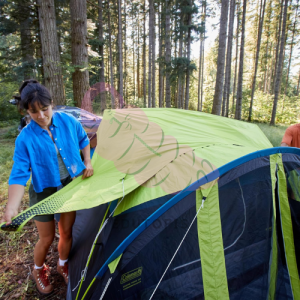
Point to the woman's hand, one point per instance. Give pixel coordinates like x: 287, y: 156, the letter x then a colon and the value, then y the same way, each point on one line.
x: 89, y: 171
x: 15, y: 195
x: 9, y: 214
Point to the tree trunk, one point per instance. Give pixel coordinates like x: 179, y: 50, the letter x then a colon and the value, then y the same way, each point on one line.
x: 125, y: 89
x: 27, y: 47
x: 200, y: 60
x: 266, y: 72
x: 168, y: 54
x: 160, y: 76
x: 112, y: 90
x: 291, y: 49
x: 236, y: 56
x: 151, y: 12
x: 120, y: 52
x: 133, y: 64
x: 79, y: 50
x: 260, y: 29
x: 225, y: 107
x: 202, y: 74
x: 144, y: 57
x: 101, y: 53
x: 138, y: 62
x: 153, y: 60
x: 180, y: 76
x: 239, y: 95
x: 50, y: 51
x: 188, y: 47
x: 217, y: 103
x: 279, y: 67
x: 277, y: 46
x: 298, y: 85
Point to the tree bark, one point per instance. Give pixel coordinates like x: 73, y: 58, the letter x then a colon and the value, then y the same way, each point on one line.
x: 125, y: 89
x: 260, y: 29
x: 200, y: 60
x: 153, y: 60
x: 279, y: 67
x: 298, y: 85
x: 168, y: 54
x: 266, y: 72
x: 101, y: 53
x: 180, y: 76
x: 225, y: 107
x: 138, y: 62
x: 278, y: 36
x: 238, y: 110
x: 188, y: 47
x: 144, y: 57
x: 24, y: 9
x: 160, y: 76
x: 120, y: 42
x: 291, y: 49
x: 112, y: 90
x: 50, y: 51
x: 79, y: 50
x: 236, y: 57
x: 151, y: 13
x: 217, y: 103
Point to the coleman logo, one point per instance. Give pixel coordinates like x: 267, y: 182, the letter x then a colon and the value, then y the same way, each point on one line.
x: 131, y: 275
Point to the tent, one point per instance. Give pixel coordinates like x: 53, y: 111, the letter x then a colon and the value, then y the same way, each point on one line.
x: 182, y: 205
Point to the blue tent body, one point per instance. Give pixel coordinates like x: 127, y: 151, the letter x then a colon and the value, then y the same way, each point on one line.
x: 152, y: 251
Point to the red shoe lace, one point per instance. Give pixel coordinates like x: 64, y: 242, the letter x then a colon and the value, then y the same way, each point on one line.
x: 44, y: 276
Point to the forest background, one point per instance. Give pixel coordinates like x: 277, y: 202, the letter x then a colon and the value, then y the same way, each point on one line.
x: 238, y: 59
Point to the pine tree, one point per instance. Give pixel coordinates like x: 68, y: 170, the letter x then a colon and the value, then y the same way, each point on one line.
x: 216, y: 109
x: 239, y: 94
x: 50, y: 50
x: 79, y: 50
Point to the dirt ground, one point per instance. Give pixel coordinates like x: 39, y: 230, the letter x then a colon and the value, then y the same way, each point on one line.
x: 16, y: 263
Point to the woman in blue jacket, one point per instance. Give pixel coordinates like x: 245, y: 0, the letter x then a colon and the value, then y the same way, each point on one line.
x: 48, y: 150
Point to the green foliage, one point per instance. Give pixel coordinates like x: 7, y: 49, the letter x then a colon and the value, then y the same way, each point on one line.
x: 287, y: 108
x: 208, y: 100
x: 273, y: 133
x: 7, y: 110
x: 11, y: 133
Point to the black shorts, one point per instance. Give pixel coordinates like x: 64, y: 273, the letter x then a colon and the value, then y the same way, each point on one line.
x: 34, y: 198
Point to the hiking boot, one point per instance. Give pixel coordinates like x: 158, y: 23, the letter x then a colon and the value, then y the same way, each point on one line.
x: 41, y: 278
x: 63, y: 271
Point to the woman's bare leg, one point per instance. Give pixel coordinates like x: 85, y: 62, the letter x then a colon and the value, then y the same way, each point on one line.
x: 46, y: 236
x: 65, y: 224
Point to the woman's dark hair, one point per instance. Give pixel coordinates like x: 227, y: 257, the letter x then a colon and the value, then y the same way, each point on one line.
x: 31, y: 92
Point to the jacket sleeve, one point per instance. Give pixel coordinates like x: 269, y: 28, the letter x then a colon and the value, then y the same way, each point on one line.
x: 83, y: 139
x: 20, y: 172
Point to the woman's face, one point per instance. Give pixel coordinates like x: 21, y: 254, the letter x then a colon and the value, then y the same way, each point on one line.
x: 41, y: 114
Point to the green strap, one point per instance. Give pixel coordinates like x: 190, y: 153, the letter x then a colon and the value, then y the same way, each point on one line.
x: 294, y: 182
x: 287, y: 231
x: 273, y: 269
x: 211, y: 246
